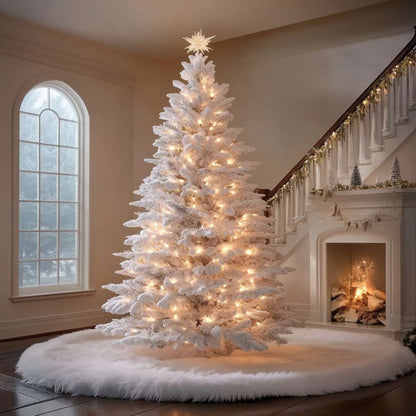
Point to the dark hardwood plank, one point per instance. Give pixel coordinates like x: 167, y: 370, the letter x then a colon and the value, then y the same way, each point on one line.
x: 400, y: 401
x: 182, y: 409
x: 10, y: 400
x: 265, y: 407
x: 122, y: 407
x: 18, y: 386
x: 46, y: 406
x: 342, y: 404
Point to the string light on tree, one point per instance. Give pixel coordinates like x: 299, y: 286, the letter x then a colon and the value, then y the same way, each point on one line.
x: 201, y: 270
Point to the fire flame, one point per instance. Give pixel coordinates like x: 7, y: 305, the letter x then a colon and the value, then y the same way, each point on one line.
x: 359, y: 292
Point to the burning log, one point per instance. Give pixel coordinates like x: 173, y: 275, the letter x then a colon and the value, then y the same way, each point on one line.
x: 381, y: 316
x: 369, y: 318
x: 337, y: 291
x: 379, y: 294
x: 339, y: 302
x: 347, y: 315
x: 374, y: 303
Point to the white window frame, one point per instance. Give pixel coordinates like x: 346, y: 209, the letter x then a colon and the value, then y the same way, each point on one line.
x: 82, y: 286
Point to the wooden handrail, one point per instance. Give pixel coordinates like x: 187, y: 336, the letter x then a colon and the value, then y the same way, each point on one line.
x: 403, y: 53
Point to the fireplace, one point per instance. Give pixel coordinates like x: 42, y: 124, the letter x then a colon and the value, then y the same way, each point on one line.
x: 356, y: 282
x: 381, y: 297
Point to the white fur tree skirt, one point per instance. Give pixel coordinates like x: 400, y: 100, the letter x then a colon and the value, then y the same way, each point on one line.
x: 315, y: 361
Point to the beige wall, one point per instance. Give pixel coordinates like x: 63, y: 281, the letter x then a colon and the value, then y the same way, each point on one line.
x: 406, y: 153
x: 105, y: 80
x: 292, y: 83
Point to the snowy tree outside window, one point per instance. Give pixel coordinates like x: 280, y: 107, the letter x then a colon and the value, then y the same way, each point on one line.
x: 50, y: 190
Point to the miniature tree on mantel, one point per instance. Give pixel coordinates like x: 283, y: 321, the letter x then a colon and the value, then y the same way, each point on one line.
x: 202, y: 270
x: 356, y: 176
x: 395, y: 171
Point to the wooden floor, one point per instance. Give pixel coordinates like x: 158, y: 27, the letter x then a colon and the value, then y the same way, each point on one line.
x: 391, y: 398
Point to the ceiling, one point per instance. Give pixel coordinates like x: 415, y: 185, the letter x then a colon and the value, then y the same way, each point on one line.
x: 155, y: 27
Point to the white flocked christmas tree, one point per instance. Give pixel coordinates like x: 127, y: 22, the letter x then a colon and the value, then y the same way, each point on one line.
x: 201, y: 271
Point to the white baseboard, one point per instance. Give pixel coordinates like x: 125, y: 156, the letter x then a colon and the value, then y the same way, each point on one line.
x: 301, y: 310
x: 50, y: 323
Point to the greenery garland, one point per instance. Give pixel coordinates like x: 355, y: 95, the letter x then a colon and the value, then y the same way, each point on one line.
x: 327, y: 192
x: 339, y: 135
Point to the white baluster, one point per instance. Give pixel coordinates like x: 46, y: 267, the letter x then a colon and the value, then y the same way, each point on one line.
x: 292, y: 194
x: 307, y: 189
x: 387, y: 129
x: 401, y: 100
x: 351, y: 146
x: 375, y: 145
x: 282, y: 218
x: 342, y: 156
x: 379, y: 119
x: 317, y: 174
x: 311, y: 175
x: 362, y: 141
x: 330, y: 173
x: 412, y: 86
x: 275, y: 218
x: 288, y: 225
x: 299, y: 202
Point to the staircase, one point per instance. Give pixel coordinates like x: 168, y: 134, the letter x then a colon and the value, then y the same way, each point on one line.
x: 369, y: 131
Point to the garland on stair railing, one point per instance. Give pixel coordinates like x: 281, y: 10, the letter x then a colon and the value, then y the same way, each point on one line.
x: 317, y: 154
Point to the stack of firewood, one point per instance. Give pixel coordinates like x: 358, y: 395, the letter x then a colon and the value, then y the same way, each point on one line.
x: 368, y: 308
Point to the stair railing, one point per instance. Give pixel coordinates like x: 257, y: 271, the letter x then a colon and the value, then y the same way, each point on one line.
x: 361, y: 130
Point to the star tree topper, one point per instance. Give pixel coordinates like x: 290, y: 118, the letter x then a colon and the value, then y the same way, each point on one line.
x: 198, y: 43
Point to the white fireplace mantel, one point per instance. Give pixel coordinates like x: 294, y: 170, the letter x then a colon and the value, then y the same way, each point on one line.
x: 397, y: 229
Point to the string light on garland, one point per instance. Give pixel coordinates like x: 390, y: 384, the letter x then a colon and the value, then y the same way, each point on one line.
x: 339, y: 134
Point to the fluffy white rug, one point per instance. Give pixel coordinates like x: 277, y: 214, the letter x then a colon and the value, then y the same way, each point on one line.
x: 315, y: 361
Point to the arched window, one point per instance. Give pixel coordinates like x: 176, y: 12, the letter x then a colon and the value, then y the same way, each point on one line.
x: 51, y: 203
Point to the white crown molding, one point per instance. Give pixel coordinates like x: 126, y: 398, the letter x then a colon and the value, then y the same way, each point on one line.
x: 49, y: 323
x: 70, y: 62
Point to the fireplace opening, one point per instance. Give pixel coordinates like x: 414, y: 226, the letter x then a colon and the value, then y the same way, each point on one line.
x: 356, y: 282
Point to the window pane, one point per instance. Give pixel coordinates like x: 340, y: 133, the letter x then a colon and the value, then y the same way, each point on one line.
x: 67, y: 271
x: 68, y: 216
x: 49, y: 127
x: 28, y: 274
x: 67, y: 245
x: 69, y: 133
x: 68, y: 160
x: 28, y: 188
x: 48, y: 273
x: 35, y: 100
x: 28, y: 128
x: 28, y: 246
x: 48, y: 187
x: 28, y: 216
x: 48, y: 216
x: 68, y: 188
x: 62, y: 105
x: 48, y: 245
x: 28, y: 156
x: 48, y: 158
